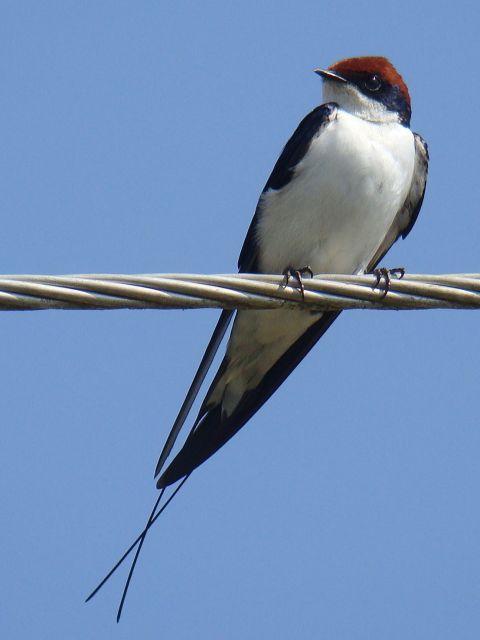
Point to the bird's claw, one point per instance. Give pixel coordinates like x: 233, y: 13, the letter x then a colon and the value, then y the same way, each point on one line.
x: 291, y: 272
x: 387, y: 274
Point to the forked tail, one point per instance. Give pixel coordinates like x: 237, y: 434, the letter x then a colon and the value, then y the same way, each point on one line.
x: 138, y: 542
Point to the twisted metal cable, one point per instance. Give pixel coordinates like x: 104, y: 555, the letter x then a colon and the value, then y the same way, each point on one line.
x: 237, y: 291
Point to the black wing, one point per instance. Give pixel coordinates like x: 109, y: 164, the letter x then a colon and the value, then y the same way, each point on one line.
x: 204, y: 366
x: 211, y: 431
x: 408, y: 214
x: 293, y: 152
x: 414, y: 200
x: 282, y: 173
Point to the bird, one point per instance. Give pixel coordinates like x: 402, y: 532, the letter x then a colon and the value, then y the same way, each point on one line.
x: 349, y: 182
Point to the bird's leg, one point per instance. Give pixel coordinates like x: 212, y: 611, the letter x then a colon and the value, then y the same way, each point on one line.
x: 382, y: 272
x: 291, y: 272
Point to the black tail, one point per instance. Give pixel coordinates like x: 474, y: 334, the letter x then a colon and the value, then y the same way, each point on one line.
x: 138, y: 542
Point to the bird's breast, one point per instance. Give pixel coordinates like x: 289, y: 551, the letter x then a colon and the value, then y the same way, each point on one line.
x: 342, y: 199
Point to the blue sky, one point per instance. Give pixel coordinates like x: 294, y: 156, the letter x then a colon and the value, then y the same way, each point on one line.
x: 136, y: 138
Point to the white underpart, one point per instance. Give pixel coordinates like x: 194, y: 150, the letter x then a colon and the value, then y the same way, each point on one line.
x: 333, y: 216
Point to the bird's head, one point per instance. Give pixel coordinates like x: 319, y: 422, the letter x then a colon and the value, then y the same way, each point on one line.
x: 369, y: 87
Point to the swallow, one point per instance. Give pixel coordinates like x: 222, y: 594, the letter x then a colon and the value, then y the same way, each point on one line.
x: 348, y: 183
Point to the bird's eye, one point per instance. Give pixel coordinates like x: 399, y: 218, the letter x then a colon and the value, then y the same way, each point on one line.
x: 373, y: 83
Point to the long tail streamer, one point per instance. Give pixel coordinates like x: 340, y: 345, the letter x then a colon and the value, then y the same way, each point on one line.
x: 138, y: 542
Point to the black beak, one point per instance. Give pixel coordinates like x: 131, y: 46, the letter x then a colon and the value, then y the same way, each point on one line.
x: 329, y: 75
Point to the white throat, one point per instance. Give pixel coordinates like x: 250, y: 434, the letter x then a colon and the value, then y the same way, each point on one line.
x: 351, y: 99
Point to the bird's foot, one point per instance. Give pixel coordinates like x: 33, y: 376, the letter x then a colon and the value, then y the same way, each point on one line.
x: 387, y: 274
x: 291, y: 272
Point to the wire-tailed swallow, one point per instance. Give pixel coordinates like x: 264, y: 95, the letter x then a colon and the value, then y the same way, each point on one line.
x: 349, y: 182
